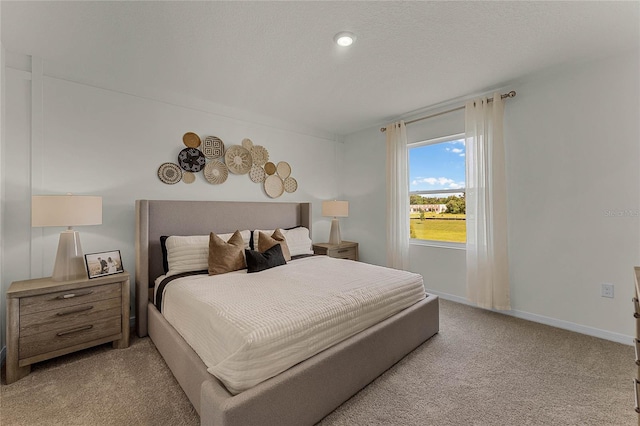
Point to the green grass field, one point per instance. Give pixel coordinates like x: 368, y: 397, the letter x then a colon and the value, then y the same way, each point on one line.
x: 439, y: 229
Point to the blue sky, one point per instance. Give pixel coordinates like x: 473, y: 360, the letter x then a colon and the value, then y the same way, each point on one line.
x: 437, y: 166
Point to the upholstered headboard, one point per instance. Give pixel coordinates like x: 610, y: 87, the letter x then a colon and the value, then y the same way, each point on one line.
x: 155, y: 218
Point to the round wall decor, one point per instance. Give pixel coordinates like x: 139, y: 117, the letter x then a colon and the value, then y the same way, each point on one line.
x: 273, y: 186
x: 290, y: 184
x: 270, y: 168
x: 169, y: 173
x: 238, y: 160
x: 212, y: 147
x: 247, y: 144
x: 257, y: 174
x: 191, y: 140
x: 216, y: 172
x: 260, y: 155
x: 284, y: 169
x: 188, y: 177
x: 191, y: 160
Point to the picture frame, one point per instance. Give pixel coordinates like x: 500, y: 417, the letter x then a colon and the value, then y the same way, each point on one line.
x: 103, y: 263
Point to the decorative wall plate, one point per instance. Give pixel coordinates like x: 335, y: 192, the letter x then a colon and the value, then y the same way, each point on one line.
x: 284, y: 169
x: 247, y: 144
x: 270, y: 168
x: 191, y: 160
x: 260, y: 155
x: 238, y: 160
x: 191, y: 140
x: 213, y: 147
x: 290, y: 184
x: 257, y: 174
x: 216, y: 172
x: 188, y: 177
x: 273, y: 186
x: 169, y: 173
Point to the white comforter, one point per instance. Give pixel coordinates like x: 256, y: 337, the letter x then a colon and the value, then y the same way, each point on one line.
x: 250, y: 327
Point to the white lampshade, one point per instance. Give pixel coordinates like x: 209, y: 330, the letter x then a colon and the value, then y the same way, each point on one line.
x: 335, y: 208
x: 67, y: 210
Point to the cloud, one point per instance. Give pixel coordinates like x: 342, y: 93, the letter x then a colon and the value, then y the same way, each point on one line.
x: 462, y: 155
x: 441, y: 182
x: 457, y: 150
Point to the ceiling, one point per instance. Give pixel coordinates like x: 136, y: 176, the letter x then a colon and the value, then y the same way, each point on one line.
x: 278, y: 59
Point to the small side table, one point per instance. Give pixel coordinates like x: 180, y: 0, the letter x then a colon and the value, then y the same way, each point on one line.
x: 47, y: 318
x: 344, y: 250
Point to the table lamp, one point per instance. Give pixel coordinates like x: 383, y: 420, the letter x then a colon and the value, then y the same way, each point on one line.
x: 335, y: 209
x: 67, y: 210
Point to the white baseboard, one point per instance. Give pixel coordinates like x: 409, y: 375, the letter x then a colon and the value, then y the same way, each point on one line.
x: 565, y: 325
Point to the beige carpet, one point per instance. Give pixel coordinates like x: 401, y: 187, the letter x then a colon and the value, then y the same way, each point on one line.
x: 481, y: 369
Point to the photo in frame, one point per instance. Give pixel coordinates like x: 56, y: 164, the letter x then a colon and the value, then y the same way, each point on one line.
x: 103, y: 263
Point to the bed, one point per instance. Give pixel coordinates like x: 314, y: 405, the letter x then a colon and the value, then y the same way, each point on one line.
x: 302, y: 394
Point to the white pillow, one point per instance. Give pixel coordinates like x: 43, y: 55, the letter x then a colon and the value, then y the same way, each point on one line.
x: 297, y: 239
x: 191, y: 253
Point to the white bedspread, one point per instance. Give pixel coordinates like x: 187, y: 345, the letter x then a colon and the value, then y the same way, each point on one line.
x: 250, y: 327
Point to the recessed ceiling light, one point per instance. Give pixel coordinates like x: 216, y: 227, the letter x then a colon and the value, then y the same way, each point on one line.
x: 345, y: 38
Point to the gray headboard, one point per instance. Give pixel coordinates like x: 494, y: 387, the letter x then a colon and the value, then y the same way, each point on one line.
x: 155, y: 218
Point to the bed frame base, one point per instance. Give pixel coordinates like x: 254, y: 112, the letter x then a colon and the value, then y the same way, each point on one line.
x: 308, y: 391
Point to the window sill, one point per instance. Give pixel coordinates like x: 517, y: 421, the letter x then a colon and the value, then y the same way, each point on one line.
x: 438, y: 244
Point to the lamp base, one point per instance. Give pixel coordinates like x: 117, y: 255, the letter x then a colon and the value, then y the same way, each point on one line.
x: 69, y: 259
x: 334, y: 236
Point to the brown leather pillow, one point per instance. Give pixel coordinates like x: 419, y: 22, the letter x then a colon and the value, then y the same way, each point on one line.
x: 265, y: 242
x: 226, y: 256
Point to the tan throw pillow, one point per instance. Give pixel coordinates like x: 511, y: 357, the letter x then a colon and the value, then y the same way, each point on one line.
x: 265, y: 242
x: 226, y: 256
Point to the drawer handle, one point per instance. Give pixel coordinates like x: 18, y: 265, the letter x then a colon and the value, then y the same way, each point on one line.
x: 72, y: 295
x: 75, y: 330
x: 86, y: 308
x: 343, y: 251
x: 636, y: 382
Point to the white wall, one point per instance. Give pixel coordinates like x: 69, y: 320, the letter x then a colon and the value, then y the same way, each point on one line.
x: 572, y: 147
x: 108, y: 143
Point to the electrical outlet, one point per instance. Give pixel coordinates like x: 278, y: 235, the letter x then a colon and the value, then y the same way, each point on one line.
x: 607, y: 290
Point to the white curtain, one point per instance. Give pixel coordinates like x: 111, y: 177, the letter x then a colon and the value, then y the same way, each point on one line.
x: 397, y: 196
x: 486, y: 205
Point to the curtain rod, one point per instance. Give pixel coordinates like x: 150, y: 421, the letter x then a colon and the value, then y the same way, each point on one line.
x: 511, y: 94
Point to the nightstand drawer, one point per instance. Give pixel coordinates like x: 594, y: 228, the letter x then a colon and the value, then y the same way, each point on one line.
x: 53, y: 340
x: 343, y: 253
x: 344, y: 250
x: 69, y: 316
x: 65, y: 299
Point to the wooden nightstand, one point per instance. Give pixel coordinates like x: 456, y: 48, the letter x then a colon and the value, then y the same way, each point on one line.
x: 47, y: 318
x: 344, y: 250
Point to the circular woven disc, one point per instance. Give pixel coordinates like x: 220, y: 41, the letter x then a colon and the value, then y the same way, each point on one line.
x: 284, y: 169
x: 238, y: 160
x: 191, y: 140
x: 169, y: 173
x: 260, y: 155
x: 216, y: 172
x: 247, y: 144
x: 290, y: 184
x: 273, y: 186
x: 270, y: 168
x: 188, y: 177
x: 191, y: 160
x: 212, y: 147
x: 257, y: 174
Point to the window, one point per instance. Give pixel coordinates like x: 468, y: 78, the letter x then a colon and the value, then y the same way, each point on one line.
x: 437, y: 183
